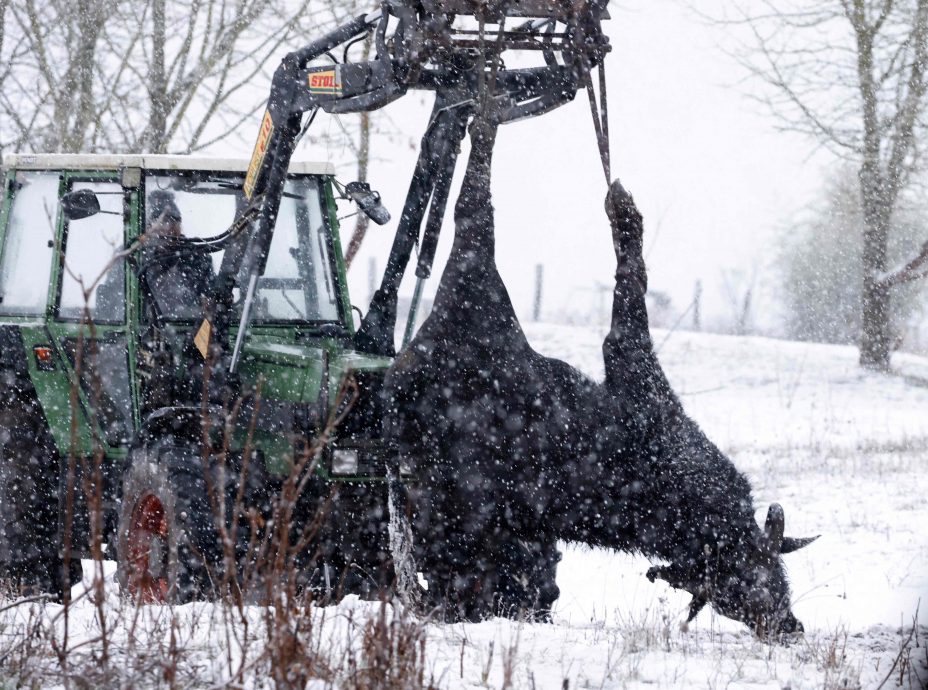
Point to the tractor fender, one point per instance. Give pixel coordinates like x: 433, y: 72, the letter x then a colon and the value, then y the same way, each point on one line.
x: 180, y: 421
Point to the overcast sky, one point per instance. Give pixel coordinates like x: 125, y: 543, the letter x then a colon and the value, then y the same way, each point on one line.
x: 715, y: 180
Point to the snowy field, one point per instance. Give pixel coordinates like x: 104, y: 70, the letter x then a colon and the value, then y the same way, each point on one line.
x: 844, y: 452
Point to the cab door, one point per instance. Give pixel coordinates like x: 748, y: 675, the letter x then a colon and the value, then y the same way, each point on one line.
x: 89, y: 314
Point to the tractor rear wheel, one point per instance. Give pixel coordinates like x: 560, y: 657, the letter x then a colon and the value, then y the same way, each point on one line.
x: 167, y: 545
x: 30, y: 471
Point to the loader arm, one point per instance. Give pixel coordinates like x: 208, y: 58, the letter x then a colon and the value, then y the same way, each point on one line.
x: 422, y: 51
x: 296, y: 88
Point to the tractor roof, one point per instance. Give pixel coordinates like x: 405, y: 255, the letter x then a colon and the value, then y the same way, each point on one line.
x: 104, y: 161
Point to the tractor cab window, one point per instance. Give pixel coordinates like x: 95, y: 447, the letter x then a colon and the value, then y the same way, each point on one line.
x: 26, y: 255
x: 298, y: 284
x: 93, y: 273
x: 178, y: 274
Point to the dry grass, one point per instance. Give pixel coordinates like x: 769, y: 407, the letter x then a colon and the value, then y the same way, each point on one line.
x: 377, y: 646
x: 263, y: 628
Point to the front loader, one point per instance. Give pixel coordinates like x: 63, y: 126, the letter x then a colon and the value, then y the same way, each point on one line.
x: 249, y: 416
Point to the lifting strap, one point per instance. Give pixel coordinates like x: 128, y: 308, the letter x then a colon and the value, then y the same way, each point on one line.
x: 600, y: 118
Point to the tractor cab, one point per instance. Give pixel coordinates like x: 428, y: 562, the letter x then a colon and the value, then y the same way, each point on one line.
x: 130, y: 242
x: 105, y: 263
x: 108, y: 203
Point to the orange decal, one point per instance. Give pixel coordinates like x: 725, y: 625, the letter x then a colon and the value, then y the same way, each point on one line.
x: 201, y: 339
x: 257, y: 156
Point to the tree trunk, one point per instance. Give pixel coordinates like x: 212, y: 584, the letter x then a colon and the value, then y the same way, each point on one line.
x: 874, y: 334
x: 3, y: 6
x: 89, y: 21
x: 877, y: 207
x: 875, y: 305
x: 364, y: 154
x: 154, y: 140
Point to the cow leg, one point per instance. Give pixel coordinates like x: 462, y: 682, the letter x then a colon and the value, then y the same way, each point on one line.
x: 457, y: 534
x: 479, y: 558
x: 633, y: 372
x: 527, y: 581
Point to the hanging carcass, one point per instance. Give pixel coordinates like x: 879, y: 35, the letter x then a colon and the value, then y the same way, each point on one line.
x: 513, y: 451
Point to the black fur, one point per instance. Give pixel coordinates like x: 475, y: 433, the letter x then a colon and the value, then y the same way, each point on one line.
x: 514, y: 450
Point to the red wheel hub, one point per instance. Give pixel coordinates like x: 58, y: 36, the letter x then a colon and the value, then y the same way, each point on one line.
x: 148, y: 550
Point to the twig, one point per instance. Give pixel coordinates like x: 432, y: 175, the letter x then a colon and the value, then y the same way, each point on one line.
x: 27, y: 600
x: 904, y: 647
x: 674, y: 327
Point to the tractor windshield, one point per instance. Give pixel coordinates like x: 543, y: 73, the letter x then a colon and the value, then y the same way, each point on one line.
x: 298, y: 284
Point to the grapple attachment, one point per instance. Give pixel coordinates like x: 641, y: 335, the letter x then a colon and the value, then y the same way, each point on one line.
x: 494, y: 10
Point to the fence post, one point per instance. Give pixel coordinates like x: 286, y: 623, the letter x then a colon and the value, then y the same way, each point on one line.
x: 536, y: 305
x: 697, y: 298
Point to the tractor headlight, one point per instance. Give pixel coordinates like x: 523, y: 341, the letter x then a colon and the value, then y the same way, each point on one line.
x: 344, y: 461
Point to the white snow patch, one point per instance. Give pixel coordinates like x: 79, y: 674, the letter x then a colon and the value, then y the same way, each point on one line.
x: 844, y: 451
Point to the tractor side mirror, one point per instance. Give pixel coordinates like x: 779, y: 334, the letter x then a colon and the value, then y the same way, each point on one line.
x: 81, y: 203
x: 368, y: 201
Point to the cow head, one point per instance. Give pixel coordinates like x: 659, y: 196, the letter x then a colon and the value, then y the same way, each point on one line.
x: 748, y: 584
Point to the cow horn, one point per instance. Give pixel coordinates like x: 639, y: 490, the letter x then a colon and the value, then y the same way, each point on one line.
x: 791, y: 544
x: 774, y: 526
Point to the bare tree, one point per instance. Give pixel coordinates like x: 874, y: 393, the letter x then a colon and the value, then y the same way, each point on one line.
x: 141, y: 75
x: 158, y: 76
x: 852, y: 75
x: 820, y: 264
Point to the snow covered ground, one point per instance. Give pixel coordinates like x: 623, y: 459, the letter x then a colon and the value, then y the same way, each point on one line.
x: 845, y: 452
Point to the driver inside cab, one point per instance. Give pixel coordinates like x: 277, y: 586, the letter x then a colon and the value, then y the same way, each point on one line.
x: 179, y: 276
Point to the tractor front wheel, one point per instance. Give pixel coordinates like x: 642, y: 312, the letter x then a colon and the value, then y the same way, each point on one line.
x: 167, y: 547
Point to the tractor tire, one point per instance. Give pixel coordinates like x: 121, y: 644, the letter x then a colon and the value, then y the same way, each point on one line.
x: 30, y: 472
x: 167, y: 544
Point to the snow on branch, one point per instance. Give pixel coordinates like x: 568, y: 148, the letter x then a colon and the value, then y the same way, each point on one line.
x: 914, y: 269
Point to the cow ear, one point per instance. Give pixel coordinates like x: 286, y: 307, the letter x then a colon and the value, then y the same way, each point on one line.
x: 773, y: 527
x: 791, y: 544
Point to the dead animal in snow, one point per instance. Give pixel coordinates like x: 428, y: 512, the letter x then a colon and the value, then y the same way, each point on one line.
x: 514, y: 450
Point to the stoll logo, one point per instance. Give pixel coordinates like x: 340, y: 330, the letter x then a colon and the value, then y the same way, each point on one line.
x: 327, y: 81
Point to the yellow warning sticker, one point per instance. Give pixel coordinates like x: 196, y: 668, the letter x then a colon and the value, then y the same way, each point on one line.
x: 201, y: 339
x: 326, y: 82
x: 257, y: 156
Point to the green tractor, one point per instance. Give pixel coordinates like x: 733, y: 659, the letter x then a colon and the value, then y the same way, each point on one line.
x: 182, y: 378
x: 104, y: 261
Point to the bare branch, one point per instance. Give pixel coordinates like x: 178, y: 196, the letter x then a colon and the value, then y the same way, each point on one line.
x: 130, y: 75
x: 853, y: 75
x: 903, y: 138
x: 908, y: 272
